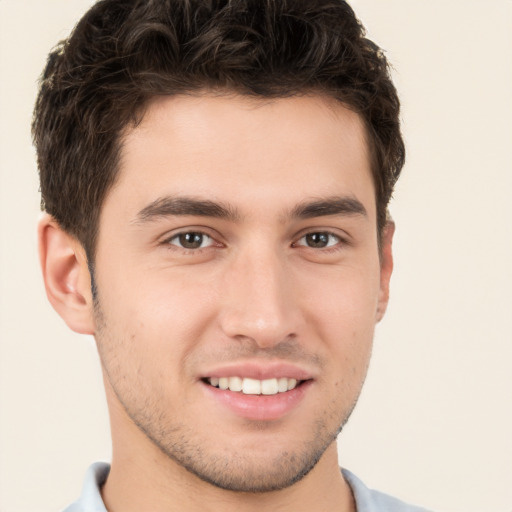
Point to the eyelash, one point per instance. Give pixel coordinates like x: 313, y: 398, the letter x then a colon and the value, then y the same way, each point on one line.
x: 338, y: 244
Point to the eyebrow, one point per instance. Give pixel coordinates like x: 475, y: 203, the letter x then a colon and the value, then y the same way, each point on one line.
x: 167, y: 206
x: 329, y: 206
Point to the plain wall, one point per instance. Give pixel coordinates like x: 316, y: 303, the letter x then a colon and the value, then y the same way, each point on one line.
x: 434, y: 423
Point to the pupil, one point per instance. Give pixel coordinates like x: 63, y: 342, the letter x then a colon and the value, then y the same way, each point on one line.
x: 191, y: 240
x: 317, y: 239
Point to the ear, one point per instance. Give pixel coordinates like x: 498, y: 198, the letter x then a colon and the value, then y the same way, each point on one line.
x: 386, y: 267
x: 66, y: 275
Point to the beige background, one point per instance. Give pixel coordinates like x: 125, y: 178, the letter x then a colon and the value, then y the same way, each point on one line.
x: 434, y: 424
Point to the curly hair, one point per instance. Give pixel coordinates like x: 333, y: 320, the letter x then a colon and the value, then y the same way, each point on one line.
x: 122, y: 53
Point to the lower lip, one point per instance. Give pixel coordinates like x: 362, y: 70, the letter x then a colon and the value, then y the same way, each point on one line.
x: 259, y: 407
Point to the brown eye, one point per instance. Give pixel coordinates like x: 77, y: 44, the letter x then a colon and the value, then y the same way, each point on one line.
x: 191, y: 240
x: 319, y: 240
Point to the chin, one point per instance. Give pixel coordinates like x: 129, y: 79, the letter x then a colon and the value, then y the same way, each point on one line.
x: 265, y: 468
x: 248, y: 476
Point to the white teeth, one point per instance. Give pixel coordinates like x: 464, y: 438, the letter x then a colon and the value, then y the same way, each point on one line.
x: 236, y: 384
x: 282, y: 385
x: 269, y: 387
x: 254, y: 386
x: 251, y: 387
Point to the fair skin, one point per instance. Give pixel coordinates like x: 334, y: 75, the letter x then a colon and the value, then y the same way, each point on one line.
x: 239, y: 242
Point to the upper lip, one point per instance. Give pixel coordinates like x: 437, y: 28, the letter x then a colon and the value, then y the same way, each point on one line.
x: 260, y: 370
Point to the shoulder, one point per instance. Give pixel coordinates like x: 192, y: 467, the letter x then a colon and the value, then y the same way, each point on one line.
x: 90, y: 499
x: 369, y: 500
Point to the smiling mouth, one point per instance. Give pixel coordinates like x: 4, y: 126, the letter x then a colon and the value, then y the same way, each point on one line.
x: 249, y: 386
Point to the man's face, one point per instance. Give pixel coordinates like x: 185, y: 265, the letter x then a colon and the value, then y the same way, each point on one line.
x: 238, y: 249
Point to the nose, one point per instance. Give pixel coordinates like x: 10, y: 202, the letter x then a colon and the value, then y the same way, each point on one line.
x: 259, y: 300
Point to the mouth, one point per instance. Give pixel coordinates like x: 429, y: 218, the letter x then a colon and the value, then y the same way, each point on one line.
x: 258, y: 391
x: 249, y: 386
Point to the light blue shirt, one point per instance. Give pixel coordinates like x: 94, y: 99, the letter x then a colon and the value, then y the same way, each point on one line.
x: 366, y: 499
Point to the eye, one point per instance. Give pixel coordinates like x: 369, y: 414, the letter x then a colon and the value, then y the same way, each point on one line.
x: 318, y: 240
x: 191, y: 240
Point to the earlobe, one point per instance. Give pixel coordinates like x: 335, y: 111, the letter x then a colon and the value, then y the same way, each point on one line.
x: 66, y: 275
x: 386, y: 267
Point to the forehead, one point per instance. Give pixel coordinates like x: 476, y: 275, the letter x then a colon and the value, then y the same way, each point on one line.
x: 237, y: 148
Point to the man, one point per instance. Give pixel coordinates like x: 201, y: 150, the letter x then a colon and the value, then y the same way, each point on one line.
x: 215, y: 177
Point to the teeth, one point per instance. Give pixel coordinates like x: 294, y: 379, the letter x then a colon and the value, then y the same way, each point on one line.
x: 291, y: 384
x: 282, y: 385
x: 269, y: 387
x: 253, y: 386
x: 236, y: 384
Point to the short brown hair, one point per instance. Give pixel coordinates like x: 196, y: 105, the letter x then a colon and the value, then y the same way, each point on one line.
x: 124, y: 52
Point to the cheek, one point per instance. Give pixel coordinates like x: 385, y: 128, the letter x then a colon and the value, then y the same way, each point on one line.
x: 153, y: 322
x: 343, y: 316
x: 345, y: 299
